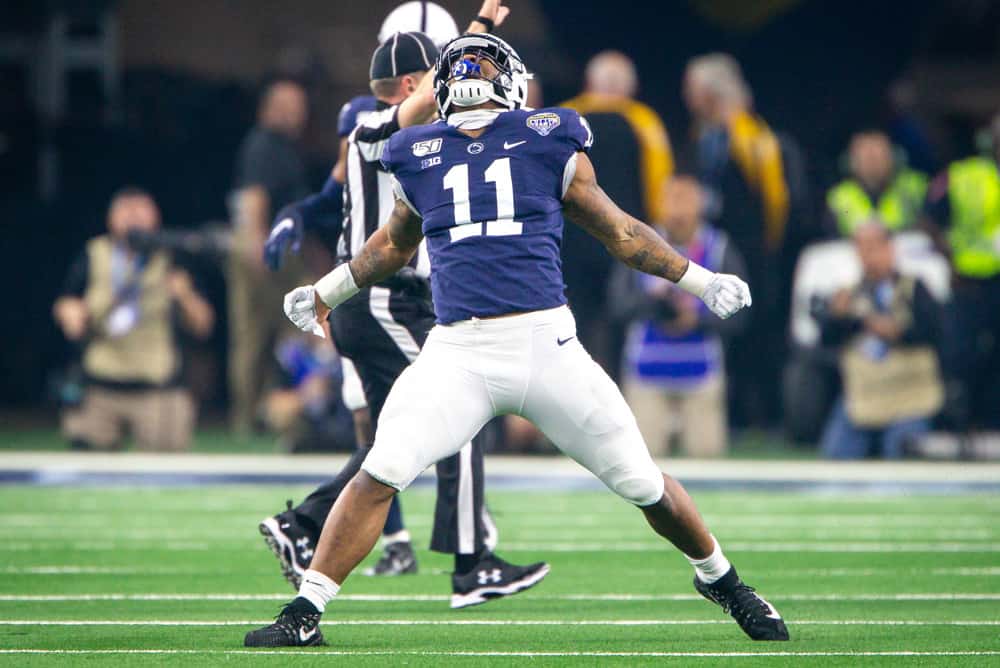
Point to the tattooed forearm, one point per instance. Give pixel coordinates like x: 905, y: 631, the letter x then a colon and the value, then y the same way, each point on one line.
x: 388, y: 249
x: 630, y: 240
x: 654, y: 255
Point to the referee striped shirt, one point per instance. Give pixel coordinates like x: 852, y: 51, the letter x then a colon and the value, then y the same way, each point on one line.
x: 368, y: 193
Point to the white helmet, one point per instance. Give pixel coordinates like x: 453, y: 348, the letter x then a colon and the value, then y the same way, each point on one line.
x: 460, y: 82
x: 427, y: 17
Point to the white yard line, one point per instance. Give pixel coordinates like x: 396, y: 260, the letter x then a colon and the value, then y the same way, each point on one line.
x: 479, y: 653
x: 489, y: 622
x: 737, y: 546
x: 53, y: 598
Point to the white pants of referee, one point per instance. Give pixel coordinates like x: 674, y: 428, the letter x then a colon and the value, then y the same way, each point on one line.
x: 530, y: 365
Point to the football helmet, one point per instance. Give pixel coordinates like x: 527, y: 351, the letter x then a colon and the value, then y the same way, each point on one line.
x: 476, y: 68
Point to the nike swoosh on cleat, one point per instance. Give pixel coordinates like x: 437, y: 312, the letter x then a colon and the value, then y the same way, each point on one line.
x: 306, y: 637
x: 562, y: 342
x: 507, y: 146
x: 774, y: 613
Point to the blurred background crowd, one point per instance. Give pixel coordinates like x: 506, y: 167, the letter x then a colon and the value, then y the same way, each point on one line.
x: 842, y: 157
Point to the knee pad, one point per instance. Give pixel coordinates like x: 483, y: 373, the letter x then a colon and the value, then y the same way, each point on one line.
x: 639, y: 487
x: 394, y: 469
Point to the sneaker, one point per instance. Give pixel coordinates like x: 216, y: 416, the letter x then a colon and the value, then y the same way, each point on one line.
x: 297, y: 625
x: 494, y: 578
x: 397, y: 559
x: 756, y: 616
x: 291, y: 542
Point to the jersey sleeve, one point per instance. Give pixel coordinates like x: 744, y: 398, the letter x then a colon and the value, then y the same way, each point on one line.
x: 347, y: 119
x: 394, y: 161
x: 577, y: 131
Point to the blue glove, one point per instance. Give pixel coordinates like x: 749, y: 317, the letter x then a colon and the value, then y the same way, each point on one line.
x: 286, y: 232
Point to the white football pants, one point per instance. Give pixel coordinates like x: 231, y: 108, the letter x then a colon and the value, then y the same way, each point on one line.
x: 530, y: 365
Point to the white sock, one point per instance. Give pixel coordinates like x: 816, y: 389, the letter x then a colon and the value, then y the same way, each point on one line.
x: 401, y: 536
x: 712, y: 567
x: 317, y: 589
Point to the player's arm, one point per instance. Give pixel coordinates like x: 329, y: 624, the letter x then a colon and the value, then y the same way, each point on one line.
x: 640, y: 247
x: 421, y: 106
x: 386, y: 252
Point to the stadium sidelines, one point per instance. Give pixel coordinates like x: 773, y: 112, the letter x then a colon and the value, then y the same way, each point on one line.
x: 548, y: 473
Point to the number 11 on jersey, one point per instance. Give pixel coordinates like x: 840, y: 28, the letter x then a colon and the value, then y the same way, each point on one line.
x: 456, y: 180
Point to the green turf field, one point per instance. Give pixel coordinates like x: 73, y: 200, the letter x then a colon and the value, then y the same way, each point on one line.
x: 150, y: 576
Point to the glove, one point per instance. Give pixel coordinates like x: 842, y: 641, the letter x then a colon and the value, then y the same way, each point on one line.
x: 726, y: 294
x: 300, y: 307
x: 286, y: 232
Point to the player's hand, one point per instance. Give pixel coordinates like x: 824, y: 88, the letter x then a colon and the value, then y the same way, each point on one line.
x: 494, y: 9
x: 726, y: 294
x: 300, y: 307
x: 285, y: 233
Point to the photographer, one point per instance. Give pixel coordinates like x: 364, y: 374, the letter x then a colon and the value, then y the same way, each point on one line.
x: 122, y: 307
x: 674, y: 376
x: 887, y: 332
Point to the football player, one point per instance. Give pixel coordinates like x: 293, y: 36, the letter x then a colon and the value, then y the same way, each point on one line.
x: 488, y: 187
x: 381, y: 330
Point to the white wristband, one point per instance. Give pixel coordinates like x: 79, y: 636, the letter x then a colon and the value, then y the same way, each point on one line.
x: 337, y: 287
x: 695, y: 279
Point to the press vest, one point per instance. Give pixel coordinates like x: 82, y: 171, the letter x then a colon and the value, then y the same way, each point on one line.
x: 146, y: 353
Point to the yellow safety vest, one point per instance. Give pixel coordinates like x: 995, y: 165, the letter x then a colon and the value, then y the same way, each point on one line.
x: 974, y: 196
x: 897, y: 208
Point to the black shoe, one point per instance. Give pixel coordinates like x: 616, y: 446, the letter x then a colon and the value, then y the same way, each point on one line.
x: 756, y: 617
x: 297, y: 625
x: 397, y: 559
x: 494, y: 578
x: 291, y: 542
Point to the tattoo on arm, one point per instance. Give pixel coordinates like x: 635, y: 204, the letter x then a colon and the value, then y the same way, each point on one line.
x: 389, y: 249
x: 628, y: 239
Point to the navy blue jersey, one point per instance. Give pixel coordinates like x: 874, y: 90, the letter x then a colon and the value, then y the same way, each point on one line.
x: 354, y: 112
x: 491, y: 208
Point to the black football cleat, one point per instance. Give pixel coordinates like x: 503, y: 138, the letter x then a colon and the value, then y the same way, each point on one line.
x: 297, y: 625
x: 291, y: 542
x: 397, y: 559
x: 756, y: 616
x: 494, y: 578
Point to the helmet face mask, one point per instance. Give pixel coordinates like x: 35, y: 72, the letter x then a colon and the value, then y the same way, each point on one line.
x: 475, y: 69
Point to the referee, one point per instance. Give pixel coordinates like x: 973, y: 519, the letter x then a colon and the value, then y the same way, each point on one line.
x: 382, y: 328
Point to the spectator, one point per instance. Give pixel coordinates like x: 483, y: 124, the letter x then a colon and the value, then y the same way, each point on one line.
x: 887, y: 331
x: 675, y: 372
x: 742, y: 167
x: 122, y: 308
x: 270, y: 173
x: 306, y: 408
x: 963, y: 208
x: 632, y: 153
x: 878, y: 186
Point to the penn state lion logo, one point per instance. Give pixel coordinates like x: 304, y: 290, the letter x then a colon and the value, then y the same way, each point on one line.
x: 543, y: 123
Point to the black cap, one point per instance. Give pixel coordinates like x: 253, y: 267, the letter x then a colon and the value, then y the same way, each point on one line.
x: 403, y: 53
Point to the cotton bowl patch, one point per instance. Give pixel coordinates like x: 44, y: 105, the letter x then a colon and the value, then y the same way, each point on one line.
x: 543, y: 123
